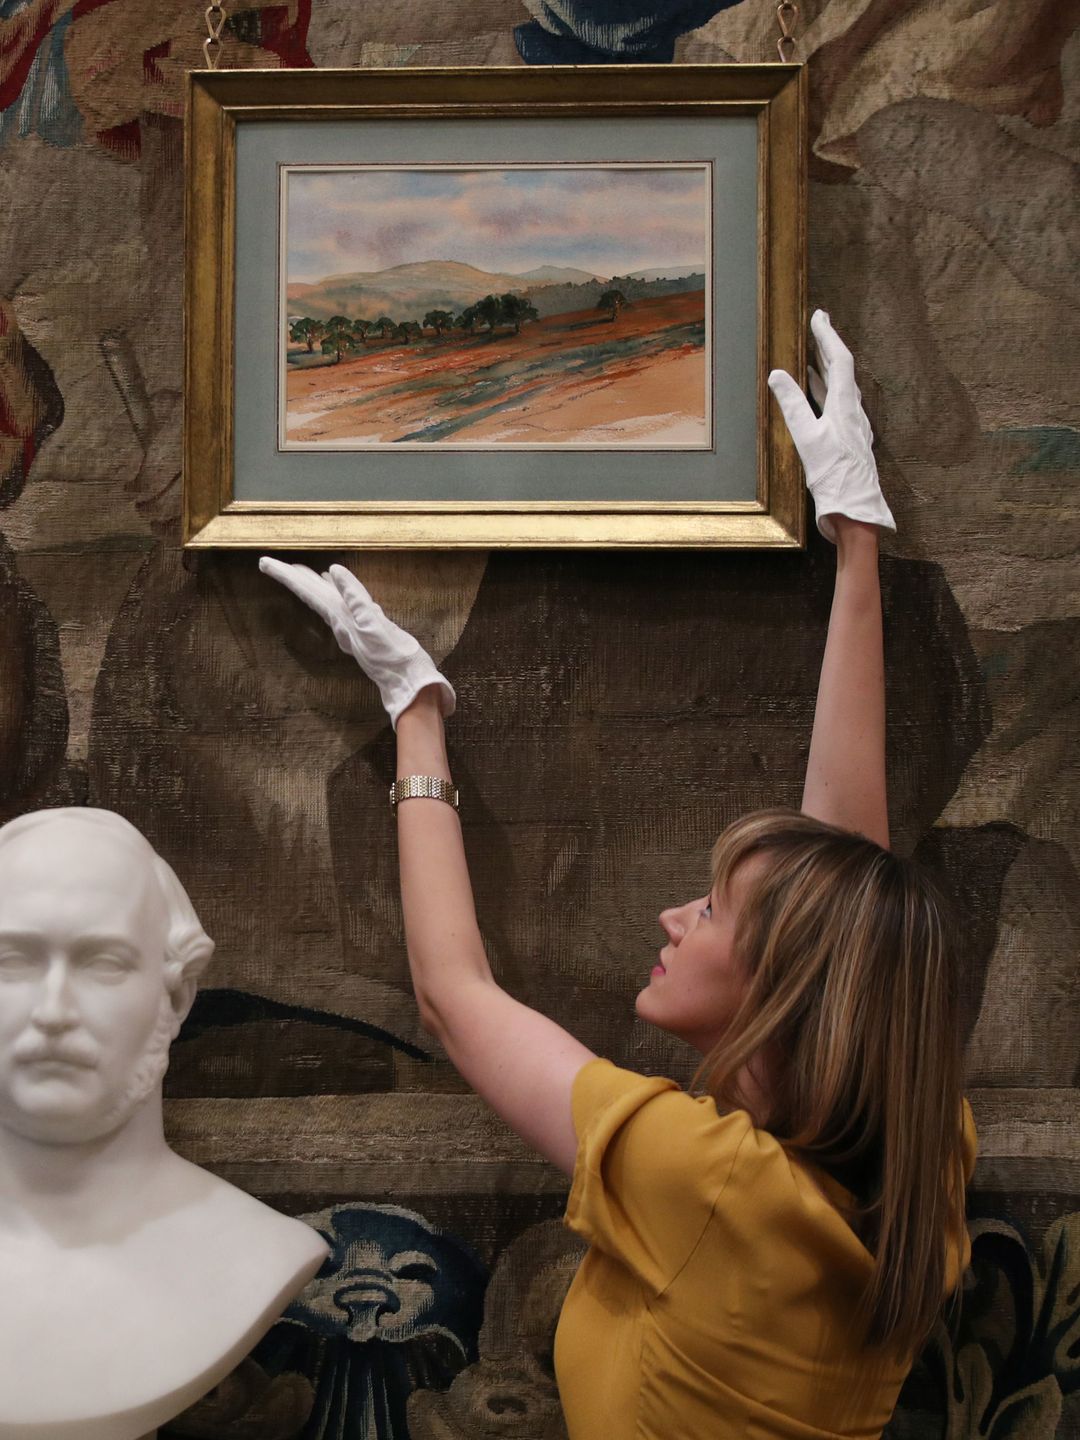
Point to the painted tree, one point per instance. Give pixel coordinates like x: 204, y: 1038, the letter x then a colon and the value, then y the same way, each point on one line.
x: 612, y: 301
x: 385, y: 326
x: 339, y: 337
x: 438, y: 320
x: 308, y: 332
x: 467, y: 319
x: 361, y: 329
x: 516, y: 309
x: 489, y: 311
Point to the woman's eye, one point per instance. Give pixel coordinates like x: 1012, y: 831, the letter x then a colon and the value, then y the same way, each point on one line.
x: 14, y: 962
x: 707, y: 912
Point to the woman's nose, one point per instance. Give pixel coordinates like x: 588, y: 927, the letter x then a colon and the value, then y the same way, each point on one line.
x: 673, y: 922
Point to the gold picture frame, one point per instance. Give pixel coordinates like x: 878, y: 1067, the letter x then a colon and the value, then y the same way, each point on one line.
x: 242, y: 125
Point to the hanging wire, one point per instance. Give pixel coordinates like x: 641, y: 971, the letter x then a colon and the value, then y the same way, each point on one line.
x: 213, y: 44
x: 787, y: 17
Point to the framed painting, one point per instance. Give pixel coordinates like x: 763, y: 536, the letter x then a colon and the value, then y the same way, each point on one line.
x: 493, y: 307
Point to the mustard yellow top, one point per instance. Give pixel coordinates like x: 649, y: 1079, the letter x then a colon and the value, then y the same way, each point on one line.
x: 711, y: 1303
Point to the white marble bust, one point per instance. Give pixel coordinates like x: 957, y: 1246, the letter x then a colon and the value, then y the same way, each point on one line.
x: 132, y: 1280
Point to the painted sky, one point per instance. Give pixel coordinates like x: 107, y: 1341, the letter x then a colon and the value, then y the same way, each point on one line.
x: 605, y: 219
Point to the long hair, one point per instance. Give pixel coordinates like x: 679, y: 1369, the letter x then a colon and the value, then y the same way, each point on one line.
x: 851, y: 1006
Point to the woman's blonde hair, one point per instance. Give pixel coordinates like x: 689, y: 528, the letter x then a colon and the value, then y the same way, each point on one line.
x: 851, y: 1003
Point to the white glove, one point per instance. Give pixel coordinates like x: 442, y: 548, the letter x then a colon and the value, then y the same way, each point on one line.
x: 390, y: 656
x: 836, y: 450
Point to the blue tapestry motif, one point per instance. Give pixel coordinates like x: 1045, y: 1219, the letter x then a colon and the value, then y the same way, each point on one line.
x: 610, y: 32
x: 44, y: 105
x: 217, y: 1008
x: 397, y: 1306
x: 1011, y: 1366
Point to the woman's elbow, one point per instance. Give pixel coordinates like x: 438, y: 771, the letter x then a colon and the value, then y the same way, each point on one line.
x: 449, y: 1015
x: 431, y: 1021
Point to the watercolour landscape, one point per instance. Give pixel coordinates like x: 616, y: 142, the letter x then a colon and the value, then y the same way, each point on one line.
x: 496, y: 307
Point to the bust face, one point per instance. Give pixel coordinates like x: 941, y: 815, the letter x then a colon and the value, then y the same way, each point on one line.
x: 82, y: 981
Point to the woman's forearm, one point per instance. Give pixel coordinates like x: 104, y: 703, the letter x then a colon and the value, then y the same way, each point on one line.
x: 446, y: 951
x: 519, y: 1061
x: 845, y: 773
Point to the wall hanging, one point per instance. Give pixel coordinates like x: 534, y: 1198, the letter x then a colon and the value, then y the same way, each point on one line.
x: 493, y: 307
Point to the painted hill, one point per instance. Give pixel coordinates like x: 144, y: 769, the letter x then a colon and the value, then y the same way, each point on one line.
x: 407, y: 292
x: 677, y: 272
x: 559, y: 275
x: 557, y: 299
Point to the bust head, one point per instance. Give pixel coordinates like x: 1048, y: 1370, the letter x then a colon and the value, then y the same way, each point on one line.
x: 100, y: 951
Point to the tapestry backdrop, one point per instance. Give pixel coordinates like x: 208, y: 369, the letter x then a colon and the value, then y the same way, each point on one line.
x: 615, y: 710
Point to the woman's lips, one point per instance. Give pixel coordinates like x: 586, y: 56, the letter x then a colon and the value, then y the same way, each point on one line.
x: 658, y: 970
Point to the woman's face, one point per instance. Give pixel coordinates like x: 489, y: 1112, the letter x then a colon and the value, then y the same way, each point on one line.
x: 698, y: 982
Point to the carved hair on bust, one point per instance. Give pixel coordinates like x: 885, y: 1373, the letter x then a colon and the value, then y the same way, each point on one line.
x: 188, y: 948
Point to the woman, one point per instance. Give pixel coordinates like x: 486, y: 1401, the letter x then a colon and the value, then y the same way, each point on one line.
x: 766, y: 1256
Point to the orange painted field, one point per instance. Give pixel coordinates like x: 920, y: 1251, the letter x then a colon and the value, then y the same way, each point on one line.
x: 570, y: 379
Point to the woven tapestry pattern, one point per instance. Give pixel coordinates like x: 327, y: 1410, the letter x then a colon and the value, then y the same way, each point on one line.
x: 615, y: 711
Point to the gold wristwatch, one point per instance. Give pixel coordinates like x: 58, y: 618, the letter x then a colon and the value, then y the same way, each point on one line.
x: 423, y: 787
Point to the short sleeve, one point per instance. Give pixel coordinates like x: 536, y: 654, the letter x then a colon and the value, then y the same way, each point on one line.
x: 970, y: 1142
x: 651, y: 1164
x: 958, y: 1258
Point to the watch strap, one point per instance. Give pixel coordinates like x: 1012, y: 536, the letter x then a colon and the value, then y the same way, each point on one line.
x: 423, y: 787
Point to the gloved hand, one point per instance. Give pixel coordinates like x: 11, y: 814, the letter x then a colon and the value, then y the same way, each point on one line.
x: 836, y: 450
x: 390, y: 656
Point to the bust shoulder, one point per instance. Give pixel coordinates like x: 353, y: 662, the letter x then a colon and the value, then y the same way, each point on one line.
x: 182, y: 1295
x: 231, y: 1227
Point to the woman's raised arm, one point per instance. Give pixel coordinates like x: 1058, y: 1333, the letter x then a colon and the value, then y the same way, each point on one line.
x: 516, y: 1059
x: 845, y: 772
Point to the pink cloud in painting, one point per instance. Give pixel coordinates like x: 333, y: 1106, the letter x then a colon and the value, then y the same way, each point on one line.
x: 607, y: 219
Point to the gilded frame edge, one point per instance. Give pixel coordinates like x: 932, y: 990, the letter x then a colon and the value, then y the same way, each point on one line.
x: 217, y: 100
